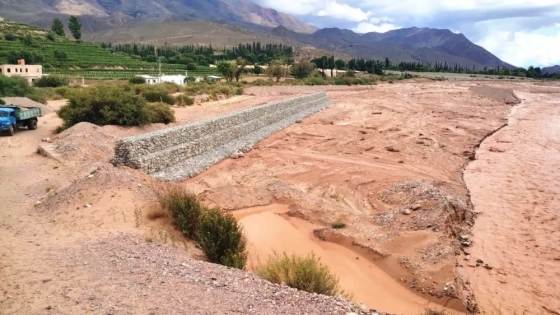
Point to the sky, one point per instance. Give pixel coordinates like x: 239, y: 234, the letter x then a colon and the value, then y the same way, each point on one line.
x: 520, y: 32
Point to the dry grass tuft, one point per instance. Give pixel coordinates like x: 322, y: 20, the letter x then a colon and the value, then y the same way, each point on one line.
x: 303, y: 273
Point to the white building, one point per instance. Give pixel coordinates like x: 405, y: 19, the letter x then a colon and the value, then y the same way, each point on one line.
x: 177, y: 79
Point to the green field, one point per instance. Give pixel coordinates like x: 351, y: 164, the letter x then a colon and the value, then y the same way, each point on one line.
x: 87, y: 60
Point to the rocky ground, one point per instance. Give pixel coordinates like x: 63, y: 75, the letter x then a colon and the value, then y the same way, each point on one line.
x: 79, y: 236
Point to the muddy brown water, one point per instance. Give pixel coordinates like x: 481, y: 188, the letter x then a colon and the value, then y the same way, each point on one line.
x: 269, y: 231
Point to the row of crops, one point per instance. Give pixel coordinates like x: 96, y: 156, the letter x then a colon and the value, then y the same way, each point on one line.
x: 115, y: 74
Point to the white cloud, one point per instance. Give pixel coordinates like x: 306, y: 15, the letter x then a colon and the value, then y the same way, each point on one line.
x: 366, y: 27
x: 524, y: 48
x: 337, y: 10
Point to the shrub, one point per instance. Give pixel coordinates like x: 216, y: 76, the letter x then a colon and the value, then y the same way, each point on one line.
x: 51, y: 81
x: 30, y: 57
x: 60, y: 55
x: 38, y: 96
x: 160, y: 113
x: 302, y: 69
x: 338, y: 225
x: 137, y: 80
x: 434, y: 312
x: 50, y: 36
x: 183, y: 100
x: 158, y: 96
x: 261, y: 82
x: 303, y: 273
x: 10, y: 37
x: 223, y: 89
x: 2, y: 102
x: 105, y: 104
x: 342, y: 81
x: 66, y: 91
x: 184, y: 207
x: 239, y: 91
x: 191, y: 66
x: 14, y: 86
x: 315, y: 81
x: 222, y: 239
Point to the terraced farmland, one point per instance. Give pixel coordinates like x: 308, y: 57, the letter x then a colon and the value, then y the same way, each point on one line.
x: 87, y: 60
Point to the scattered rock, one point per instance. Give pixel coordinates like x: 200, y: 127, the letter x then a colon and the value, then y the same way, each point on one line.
x: 391, y: 149
x: 401, y: 161
x: 466, y: 243
x: 406, y: 211
x: 464, y: 237
x: 377, y: 113
x: 88, y: 205
x: 496, y: 150
x: 298, y: 121
x: 487, y: 266
x: 467, y: 258
x: 415, y: 207
x: 237, y: 155
x: 363, y: 132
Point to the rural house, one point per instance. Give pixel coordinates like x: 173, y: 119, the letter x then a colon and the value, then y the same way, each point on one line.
x: 177, y: 79
x: 30, y: 72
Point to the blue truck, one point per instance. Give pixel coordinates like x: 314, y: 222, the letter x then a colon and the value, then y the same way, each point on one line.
x: 14, y: 117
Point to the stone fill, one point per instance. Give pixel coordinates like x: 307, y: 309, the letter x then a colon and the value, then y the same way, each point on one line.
x: 184, y: 151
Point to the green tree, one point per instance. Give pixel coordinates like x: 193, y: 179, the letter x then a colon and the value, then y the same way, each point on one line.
x: 240, y: 65
x: 58, y: 27
x: 275, y: 70
x: 75, y: 27
x: 14, y: 86
x: 302, y: 69
x: 228, y: 69
x: 51, y: 81
x: 257, y: 70
x: 340, y: 64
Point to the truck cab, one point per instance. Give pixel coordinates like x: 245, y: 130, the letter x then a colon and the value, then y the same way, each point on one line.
x: 8, y: 120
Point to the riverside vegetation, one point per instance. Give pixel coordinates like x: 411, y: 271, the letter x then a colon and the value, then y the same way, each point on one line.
x: 222, y: 240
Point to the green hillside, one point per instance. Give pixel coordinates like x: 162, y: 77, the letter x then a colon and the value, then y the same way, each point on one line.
x: 59, y: 55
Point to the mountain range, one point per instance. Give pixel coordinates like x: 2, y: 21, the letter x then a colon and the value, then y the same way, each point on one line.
x: 551, y: 70
x: 227, y: 21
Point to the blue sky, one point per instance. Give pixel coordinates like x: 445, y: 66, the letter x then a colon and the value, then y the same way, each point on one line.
x: 519, y: 32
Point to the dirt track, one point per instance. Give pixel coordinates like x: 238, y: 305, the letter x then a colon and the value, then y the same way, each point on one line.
x: 376, y: 152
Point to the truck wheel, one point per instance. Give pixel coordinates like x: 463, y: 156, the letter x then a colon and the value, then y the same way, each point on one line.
x: 11, y: 130
x: 32, y: 125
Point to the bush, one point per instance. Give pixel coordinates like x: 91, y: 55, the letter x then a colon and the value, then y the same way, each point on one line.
x: 2, y: 102
x: 137, y: 80
x: 158, y: 96
x: 183, y: 100
x: 302, y: 69
x: 338, y: 225
x: 66, y: 91
x: 51, y: 81
x: 14, y: 86
x: 184, y: 207
x: 434, y: 312
x: 60, y: 55
x: 239, y: 91
x: 302, y: 273
x: 10, y: 37
x: 315, y: 81
x: 261, y: 82
x: 342, y: 81
x: 37, y: 96
x: 105, y: 104
x: 160, y: 113
x: 191, y: 66
x: 222, y: 239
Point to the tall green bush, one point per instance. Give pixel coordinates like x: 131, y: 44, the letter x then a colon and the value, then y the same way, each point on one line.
x: 51, y: 81
x: 158, y: 96
x: 160, y: 113
x: 14, y: 86
x: 105, y: 105
x: 137, y: 80
x: 222, y: 239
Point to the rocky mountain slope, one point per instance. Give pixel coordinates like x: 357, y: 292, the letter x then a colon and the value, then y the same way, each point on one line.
x: 229, y: 22
x: 235, y: 11
x: 551, y: 70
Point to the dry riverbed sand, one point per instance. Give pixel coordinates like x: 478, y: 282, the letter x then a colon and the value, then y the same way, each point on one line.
x: 77, y: 235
